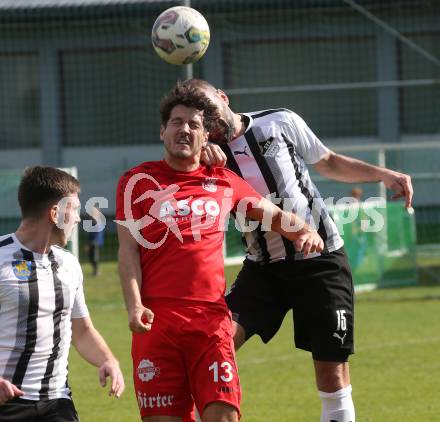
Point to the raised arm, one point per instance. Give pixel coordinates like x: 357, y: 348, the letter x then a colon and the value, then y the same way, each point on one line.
x: 292, y: 227
x: 139, y: 317
x: 350, y: 170
x: 93, y: 348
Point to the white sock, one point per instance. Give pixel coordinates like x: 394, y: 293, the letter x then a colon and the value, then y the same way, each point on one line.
x: 337, y: 406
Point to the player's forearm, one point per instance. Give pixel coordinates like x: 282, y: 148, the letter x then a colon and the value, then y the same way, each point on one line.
x: 89, y: 343
x: 349, y: 170
x: 305, y: 238
x: 290, y: 225
x: 274, y: 219
x: 130, y: 276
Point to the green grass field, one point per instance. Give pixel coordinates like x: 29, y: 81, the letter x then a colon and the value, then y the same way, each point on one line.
x: 395, y: 371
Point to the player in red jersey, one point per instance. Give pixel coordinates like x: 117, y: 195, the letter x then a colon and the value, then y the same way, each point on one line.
x: 171, y: 216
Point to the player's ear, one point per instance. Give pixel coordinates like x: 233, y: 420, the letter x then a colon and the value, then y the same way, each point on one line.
x: 223, y: 96
x: 53, y: 213
x: 162, y: 130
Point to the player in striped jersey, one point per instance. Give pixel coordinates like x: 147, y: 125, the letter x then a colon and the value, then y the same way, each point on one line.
x: 271, y: 149
x: 42, y: 306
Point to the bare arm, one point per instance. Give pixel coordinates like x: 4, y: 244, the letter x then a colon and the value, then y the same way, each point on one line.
x: 93, y: 348
x: 289, y: 225
x: 350, y: 170
x: 139, y: 317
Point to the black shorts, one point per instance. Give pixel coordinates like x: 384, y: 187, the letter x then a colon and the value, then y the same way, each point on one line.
x: 318, y: 290
x: 56, y: 410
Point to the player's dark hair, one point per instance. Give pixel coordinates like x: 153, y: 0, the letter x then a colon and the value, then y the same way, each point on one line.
x: 186, y: 95
x: 41, y: 187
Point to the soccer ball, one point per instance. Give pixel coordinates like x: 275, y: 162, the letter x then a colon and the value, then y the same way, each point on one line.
x: 180, y: 35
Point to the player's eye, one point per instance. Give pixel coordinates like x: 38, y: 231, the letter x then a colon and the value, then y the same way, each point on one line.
x: 176, y: 122
x: 195, y: 124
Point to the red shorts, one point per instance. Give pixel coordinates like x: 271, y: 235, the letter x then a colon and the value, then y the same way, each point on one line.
x: 188, y: 356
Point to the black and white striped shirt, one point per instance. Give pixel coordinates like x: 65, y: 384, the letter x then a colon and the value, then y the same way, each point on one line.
x: 39, y: 294
x: 272, y: 156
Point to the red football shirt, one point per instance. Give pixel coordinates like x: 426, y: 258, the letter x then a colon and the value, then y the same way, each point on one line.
x: 181, y: 232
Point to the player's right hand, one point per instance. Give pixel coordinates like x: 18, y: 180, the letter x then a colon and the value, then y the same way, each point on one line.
x: 212, y: 155
x: 400, y: 184
x: 8, y: 391
x: 110, y: 368
x: 140, y: 319
x: 309, y: 242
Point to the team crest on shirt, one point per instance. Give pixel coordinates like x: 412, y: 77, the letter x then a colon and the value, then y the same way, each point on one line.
x: 210, y: 184
x: 146, y: 370
x: 268, y: 148
x: 22, y: 269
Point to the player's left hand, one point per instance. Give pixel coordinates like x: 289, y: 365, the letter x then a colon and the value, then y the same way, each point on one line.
x: 309, y: 242
x: 400, y: 184
x: 212, y: 155
x: 110, y: 368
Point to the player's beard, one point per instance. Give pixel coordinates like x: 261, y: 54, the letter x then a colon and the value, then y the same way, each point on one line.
x: 222, y: 131
x: 182, y: 154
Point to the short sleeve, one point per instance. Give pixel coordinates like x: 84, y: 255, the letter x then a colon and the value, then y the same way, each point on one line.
x: 307, y: 143
x: 79, y: 309
x: 124, y: 201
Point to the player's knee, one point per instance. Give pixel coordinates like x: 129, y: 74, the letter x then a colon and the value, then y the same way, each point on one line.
x: 337, y: 406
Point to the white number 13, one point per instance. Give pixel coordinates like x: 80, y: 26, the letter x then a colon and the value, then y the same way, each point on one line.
x: 227, y: 369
